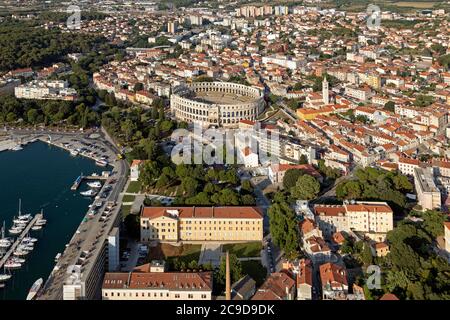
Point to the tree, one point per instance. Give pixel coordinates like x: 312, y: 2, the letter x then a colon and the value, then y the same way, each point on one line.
x: 389, y: 106
x: 248, y: 200
x: 290, y: 178
x: 306, y: 188
x: 235, y: 273
x: 189, y: 185
x: 366, y: 254
x: 303, y: 159
x: 138, y: 86
x: 162, y: 181
x: 283, y: 228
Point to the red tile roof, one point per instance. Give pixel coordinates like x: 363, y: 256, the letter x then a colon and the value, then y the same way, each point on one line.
x: 203, y: 212
x: 274, y: 288
x: 333, y: 274
x: 191, y: 281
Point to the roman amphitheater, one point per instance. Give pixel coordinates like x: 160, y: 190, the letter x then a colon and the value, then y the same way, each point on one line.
x: 216, y: 103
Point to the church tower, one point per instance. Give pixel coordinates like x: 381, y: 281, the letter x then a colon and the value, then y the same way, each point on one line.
x: 325, y: 92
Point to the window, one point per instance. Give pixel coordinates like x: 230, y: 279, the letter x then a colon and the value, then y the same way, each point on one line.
x: 190, y: 296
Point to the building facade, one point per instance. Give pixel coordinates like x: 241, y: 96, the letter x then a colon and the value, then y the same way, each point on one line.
x: 157, y: 286
x: 175, y: 224
x: 374, y: 219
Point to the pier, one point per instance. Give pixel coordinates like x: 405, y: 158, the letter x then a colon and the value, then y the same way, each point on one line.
x: 80, y: 179
x: 19, y: 239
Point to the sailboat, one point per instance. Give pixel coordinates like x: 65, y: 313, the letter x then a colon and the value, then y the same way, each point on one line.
x: 23, y: 217
x: 5, y: 243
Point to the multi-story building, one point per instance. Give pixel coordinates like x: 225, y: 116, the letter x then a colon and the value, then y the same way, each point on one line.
x: 201, y: 224
x: 406, y: 166
x: 46, y: 90
x: 447, y: 237
x: 334, y: 281
x: 304, y: 280
x: 428, y: 194
x: 374, y: 219
x: 157, y: 286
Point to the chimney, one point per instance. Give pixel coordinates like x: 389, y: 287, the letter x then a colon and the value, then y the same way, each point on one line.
x: 228, y: 278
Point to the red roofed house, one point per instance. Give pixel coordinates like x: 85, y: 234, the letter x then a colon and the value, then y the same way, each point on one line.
x: 134, y: 169
x: 278, y: 286
x: 374, y: 219
x: 140, y: 285
x: 334, y: 281
x: 201, y: 224
x: 305, y: 280
x: 389, y: 296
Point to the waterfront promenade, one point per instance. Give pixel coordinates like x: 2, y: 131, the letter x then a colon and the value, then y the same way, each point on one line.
x: 87, y: 243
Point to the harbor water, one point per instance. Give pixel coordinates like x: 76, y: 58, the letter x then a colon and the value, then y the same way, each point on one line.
x: 41, y: 175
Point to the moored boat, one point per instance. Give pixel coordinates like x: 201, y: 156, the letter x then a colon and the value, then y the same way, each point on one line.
x: 35, y: 288
x: 4, y: 277
x: 12, y: 265
x: 94, y: 184
x: 88, y: 193
x: 101, y: 163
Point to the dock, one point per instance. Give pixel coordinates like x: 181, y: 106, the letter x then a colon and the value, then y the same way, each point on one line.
x: 19, y: 239
x: 80, y: 179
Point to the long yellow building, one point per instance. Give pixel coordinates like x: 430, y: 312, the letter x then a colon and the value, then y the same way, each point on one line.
x: 201, y: 224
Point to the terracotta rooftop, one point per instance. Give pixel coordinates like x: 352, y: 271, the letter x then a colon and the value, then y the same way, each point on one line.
x: 191, y: 281
x: 203, y: 212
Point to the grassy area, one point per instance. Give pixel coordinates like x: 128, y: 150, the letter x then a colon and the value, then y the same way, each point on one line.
x: 134, y: 187
x: 185, y: 252
x: 125, y: 211
x: 128, y: 198
x: 255, y: 270
x: 244, y: 250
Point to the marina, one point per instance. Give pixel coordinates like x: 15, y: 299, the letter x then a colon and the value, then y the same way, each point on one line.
x: 63, y: 210
x: 12, y: 250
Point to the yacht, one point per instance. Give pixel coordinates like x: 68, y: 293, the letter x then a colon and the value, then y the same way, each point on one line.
x: 5, y: 243
x: 12, y: 265
x: 30, y: 239
x: 20, y: 253
x: 101, y: 163
x: 18, y: 260
x: 15, y: 230
x: 88, y: 193
x: 95, y: 184
x: 4, y: 277
x: 17, y: 148
x: 40, y: 222
x: 35, y: 288
x: 36, y: 228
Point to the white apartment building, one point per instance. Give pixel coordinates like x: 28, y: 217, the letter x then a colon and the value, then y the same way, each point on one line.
x: 374, y: 219
x: 428, y: 194
x: 283, y: 61
x: 361, y: 94
x: 45, y: 90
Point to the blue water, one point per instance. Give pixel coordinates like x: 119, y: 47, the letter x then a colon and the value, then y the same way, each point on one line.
x: 41, y: 175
